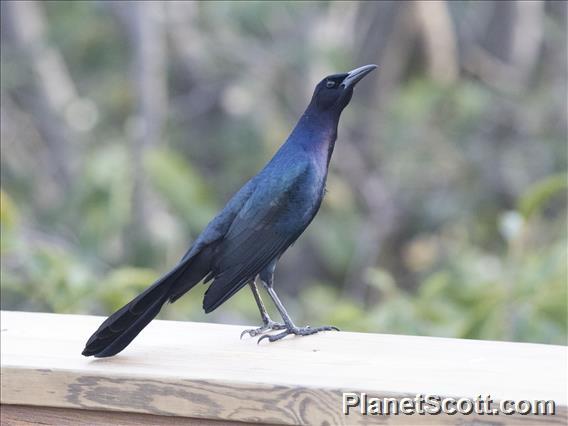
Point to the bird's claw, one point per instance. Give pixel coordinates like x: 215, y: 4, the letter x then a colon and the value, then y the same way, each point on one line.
x: 298, y: 331
x: 265, y: 328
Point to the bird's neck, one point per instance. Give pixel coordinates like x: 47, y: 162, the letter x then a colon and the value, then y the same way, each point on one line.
x: 316, y: 133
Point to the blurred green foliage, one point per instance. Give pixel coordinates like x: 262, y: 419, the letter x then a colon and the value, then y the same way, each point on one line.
x: 477, y: 247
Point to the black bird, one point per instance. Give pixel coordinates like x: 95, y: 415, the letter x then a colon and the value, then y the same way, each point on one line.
x: 258, y: 224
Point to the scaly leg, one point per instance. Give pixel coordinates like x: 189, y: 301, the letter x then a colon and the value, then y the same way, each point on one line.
x: 290, y: 326
x: 267, y: 323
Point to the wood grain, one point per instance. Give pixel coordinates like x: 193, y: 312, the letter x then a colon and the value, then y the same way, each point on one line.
x: 24, y: 415
x: 204, y: 371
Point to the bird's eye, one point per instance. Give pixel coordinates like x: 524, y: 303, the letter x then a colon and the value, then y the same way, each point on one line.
x: 330, y: 84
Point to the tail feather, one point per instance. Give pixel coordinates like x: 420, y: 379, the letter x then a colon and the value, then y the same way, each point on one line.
x: 120, y: 338
x: 118, y: 330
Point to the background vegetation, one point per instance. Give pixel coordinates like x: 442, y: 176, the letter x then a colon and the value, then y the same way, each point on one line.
x: 126, y: 125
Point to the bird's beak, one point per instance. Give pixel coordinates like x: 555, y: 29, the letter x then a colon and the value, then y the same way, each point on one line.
x: 353, y: 77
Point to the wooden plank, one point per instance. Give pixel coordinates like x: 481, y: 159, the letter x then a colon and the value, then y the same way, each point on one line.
x: 24, y: 415
x: 204, y: 371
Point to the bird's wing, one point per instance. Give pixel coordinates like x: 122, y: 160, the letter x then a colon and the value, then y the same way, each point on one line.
x: 266, y: 226
x: 220, y: 224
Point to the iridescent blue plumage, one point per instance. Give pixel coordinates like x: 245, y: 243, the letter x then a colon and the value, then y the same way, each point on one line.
x: 258, y: 224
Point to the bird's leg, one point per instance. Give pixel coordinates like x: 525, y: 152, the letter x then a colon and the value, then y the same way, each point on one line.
x: 290, y: 326
x: 267, y: 323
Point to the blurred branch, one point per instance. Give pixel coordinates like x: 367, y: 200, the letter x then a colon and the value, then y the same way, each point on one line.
x: 149, y: 75
x: 189, y: 50
x: 149, y: 70
x: 497, y: 74
x: 145, y: 27
x: 505, y: 53
x: 181, y: 16
x: 359, y: 163
x: 436, y: 26
x: 28, y: 151
x: 28, y: 27
x: 526, y: 40
x: 56, y: 90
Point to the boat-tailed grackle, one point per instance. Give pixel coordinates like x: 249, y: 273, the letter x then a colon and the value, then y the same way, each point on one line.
x: 246, y: 239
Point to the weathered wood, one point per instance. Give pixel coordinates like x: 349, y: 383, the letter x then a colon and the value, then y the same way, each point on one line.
x: 204, y: 371
x: 23, y: 415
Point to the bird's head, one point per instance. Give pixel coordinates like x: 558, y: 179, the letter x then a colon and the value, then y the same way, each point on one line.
x: 334, y: 92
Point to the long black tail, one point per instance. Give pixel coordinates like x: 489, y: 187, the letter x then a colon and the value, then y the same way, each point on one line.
x: 118, y: 330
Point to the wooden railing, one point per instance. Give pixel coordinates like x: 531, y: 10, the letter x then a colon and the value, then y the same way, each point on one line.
x: 195, y: 373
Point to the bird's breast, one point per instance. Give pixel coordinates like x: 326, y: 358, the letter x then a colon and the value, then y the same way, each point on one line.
x: 305, y: 194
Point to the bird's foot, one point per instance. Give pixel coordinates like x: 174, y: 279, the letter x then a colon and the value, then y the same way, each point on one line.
x: 266, y: 327
x: 298, y: 331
